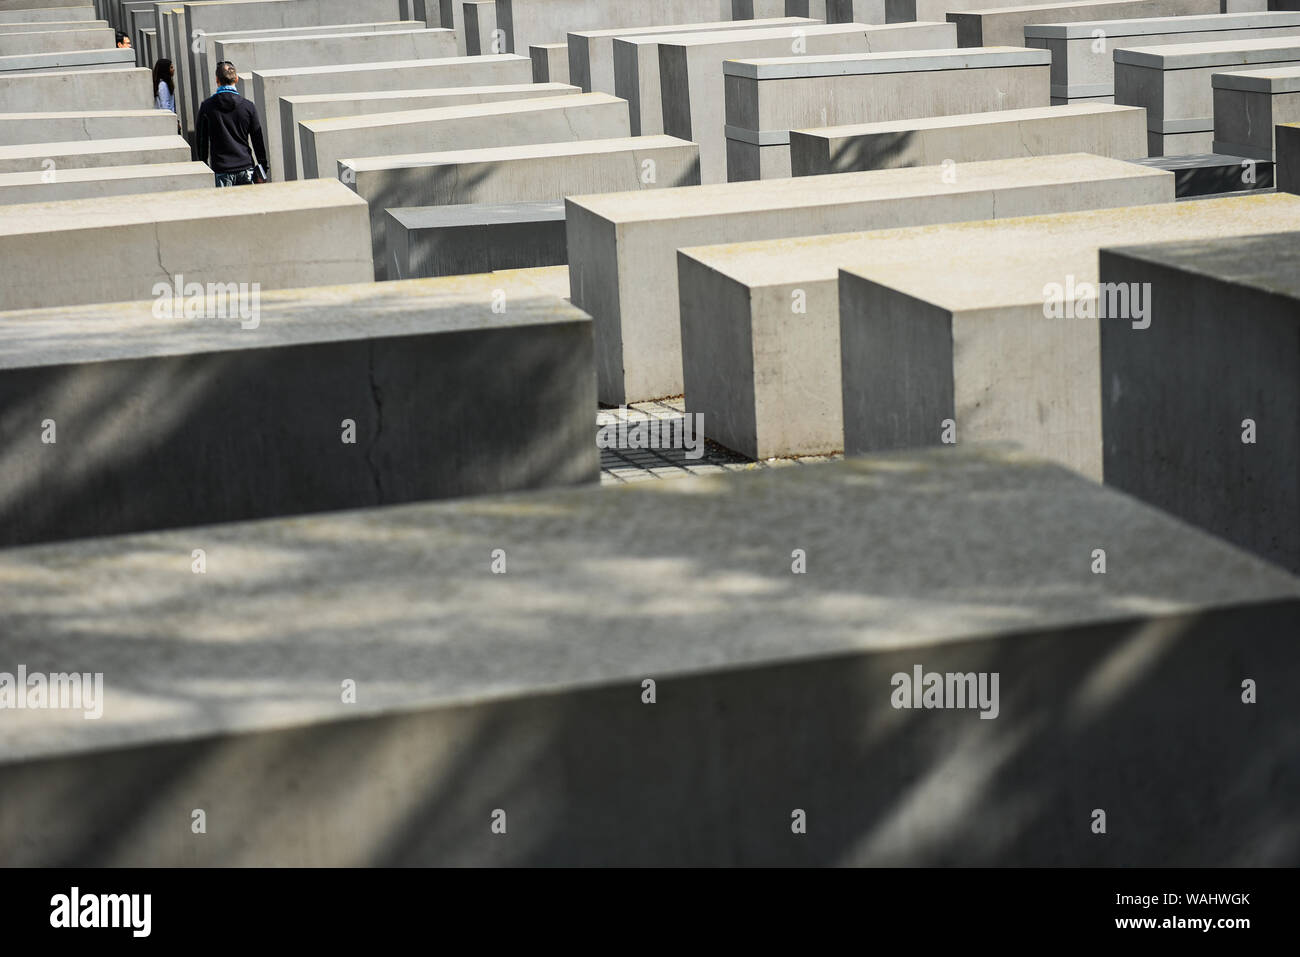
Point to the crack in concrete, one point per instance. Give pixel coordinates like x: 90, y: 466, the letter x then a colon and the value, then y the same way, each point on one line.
x: 377, y: 397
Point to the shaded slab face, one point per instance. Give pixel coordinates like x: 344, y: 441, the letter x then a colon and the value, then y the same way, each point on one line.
x: 106, y: 181
x: 1014, y: 328
x: 480, y: 690
x: 1201, y: 409
x: 1249, y: 105
x: 459, y: 240
x: 62, y: 127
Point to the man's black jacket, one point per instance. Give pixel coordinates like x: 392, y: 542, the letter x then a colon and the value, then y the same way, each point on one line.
x: 226, y: 123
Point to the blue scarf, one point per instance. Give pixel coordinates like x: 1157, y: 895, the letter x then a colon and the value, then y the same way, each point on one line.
x: 228, y: 89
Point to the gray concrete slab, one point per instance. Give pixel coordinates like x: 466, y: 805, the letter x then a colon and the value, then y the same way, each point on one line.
x: 623, y: 260
x: 766, y: 98
x: 457, y: 240
x: 1099, y: 128
x: 999, y: 352
x: 1005, y: 26
x: 17, y: 44
x: 51, y: 159
x: 270, y: 85
x: 509, y: 174
x: 291, y: 234
x: 760, y: 320
x: 550, y: 62
x: 298, y: 109
x: 524, y: 691
x: 1248, y: 104
x: 38, y: 187
x: 62, y: 127
x: 526, y: 22
x: 691, y: 75
x: 409, y: 364
x: 1288, y: 157
x: 1083, y: 69
x: 65, y: 60
x: 481, y: 33
x: 554, y: 119
x: 1202, y: 414
x: 73, y: 12
x: 279, y: 53
x: 1173, y: 83
x: 591, y: 52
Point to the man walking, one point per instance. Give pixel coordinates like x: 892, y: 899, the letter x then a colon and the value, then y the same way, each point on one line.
x: 226, y: 124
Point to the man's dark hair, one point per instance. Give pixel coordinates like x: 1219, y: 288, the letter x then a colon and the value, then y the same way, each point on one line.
x: 122, y: 38
x: 226, y: 74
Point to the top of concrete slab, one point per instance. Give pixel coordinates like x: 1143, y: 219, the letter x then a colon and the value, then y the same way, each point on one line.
x: 106, y: 212
x: 77, y: 147
x: 1268, y: 263
x: 1274, y: 80
x: 130, y: 330
x: 507, y: 109
x: 478, y: 214
x: 968, y: 119
x: 391, y: 65
x: 995, y: 264
x: 496, y: 154
x: 906, y: 61
x: 603, y: 589
x: 557, y: 88
x: 1148, y: 26
x: 690, y: 202
x: 81, y: 114
x: 766, y: 22
x: 741, y: 34
x: 1190, y: 56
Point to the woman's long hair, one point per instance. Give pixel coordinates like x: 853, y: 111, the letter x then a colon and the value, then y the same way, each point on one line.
x: 163, y: 71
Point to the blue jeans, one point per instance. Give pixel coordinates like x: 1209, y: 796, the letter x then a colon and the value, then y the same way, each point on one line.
x: 242, y: 178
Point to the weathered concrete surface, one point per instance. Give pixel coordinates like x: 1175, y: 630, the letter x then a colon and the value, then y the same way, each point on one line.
x: 1173, y: 83
x: 73, y: 12
x: 437, y: 384
x: 33, y: 187
x: 1005, y: 26
x: 65, y: 60
x: 1099, y: 128
x: 1201, y: 412
x: 524, y: 691
x: 555, y: 119
x: 1288, y: 157
x: 290, y: 234
x: 270, y: 85
x: 1248, y: 104
x: 458, y: 240
x: 691, y: 81
x: 591, y: 52
x: 1209, y: 174
x: 51, y: 158
x: 481, y: 34
x: 760, y: 323
x: 317, y: 106
x: 623, y: 260
x: 64, y: 127
x: 982, y: 333
x: 1084, y: 70
x: 76, y: 91
x: 509, y: 174
x: 767, y: 98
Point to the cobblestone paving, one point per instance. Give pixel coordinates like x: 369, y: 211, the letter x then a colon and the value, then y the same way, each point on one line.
x: 639, y: 465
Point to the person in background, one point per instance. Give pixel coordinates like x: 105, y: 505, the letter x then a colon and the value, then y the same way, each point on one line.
x: 123, y: 41
x: 164, y: 83
x: 226, y: 124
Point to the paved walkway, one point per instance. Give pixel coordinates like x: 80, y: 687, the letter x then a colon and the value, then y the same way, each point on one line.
x: 639, y: 465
